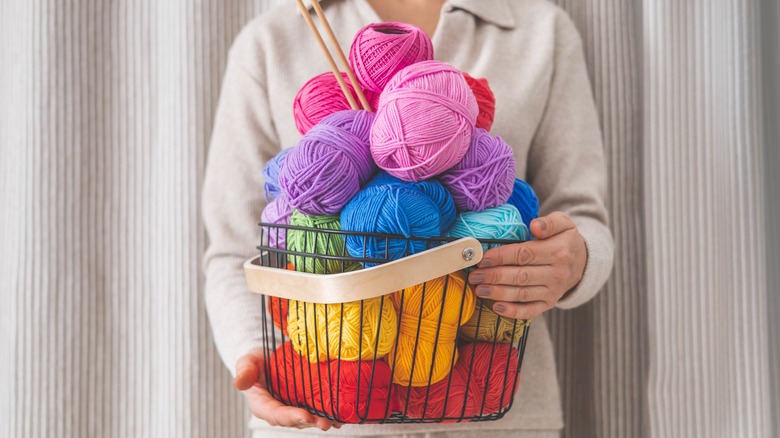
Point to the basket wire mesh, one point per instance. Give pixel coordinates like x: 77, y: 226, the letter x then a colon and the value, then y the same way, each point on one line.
x: 306, y: 387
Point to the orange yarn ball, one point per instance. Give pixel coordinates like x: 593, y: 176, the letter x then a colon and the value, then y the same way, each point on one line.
x: 486, y: 101
x: 469, y: 385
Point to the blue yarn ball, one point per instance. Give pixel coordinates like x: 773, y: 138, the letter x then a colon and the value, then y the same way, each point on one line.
x: 390, y: 209
x: 502, y: 222
x: 525, y: 200
x: 433, y: 189
x: 271, y: 175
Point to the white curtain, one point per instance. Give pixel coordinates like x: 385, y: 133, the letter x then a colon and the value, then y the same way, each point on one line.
x: 105, y: 116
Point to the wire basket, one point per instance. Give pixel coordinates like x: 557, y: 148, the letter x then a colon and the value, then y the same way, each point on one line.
x: 349, y: 335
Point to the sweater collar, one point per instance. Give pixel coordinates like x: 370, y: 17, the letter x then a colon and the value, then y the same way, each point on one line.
x: 496, y: 12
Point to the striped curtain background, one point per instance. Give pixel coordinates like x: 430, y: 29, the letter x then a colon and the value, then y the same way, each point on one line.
x: 105, y: 116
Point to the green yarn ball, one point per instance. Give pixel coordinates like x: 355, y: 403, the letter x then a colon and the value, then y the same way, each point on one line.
x: 314, y: 242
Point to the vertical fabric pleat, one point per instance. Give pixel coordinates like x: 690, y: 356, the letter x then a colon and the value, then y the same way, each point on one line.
x: 704, y: 206
x: 601, y: 348
x: 104, y: 124
x: 770, y: 13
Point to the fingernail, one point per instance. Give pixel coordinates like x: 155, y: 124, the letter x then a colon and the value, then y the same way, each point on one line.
x: 337, y: 426
x: 542, y: 225
x: 303, y: 422
x: 485, y: 263
x: 483, y: 291
x: 477, y: 278
x: 498, y: 308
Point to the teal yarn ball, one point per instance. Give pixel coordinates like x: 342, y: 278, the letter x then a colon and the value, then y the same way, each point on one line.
x: 389, y: 208
x: 433, y: 188
x: 503, y: 222
x: 524, y: 199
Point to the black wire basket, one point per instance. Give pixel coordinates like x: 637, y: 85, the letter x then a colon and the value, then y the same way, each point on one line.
x: 376, y: 328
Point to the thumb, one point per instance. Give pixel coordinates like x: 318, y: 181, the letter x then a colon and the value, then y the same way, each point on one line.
x: 548, y: 226
x: 247, y: 371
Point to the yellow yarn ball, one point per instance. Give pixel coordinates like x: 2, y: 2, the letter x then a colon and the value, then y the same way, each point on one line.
x: 492, y: 326
x: 421, y: 308
x: 315, y: 329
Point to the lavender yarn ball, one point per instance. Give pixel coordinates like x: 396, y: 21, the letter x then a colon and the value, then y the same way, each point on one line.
x: 330, y: 164
x: 525, y: 200
x: 485, y: 177
x: 277, y: 212
x: 433, y: 189
x: 390, y: 209
x: 271, y: 175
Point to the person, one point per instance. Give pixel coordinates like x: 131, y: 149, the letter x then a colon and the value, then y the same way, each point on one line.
x: 531, y: 54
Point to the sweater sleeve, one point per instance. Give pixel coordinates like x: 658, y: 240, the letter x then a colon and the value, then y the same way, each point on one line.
x: 243, y: 140
x: 566, y: 161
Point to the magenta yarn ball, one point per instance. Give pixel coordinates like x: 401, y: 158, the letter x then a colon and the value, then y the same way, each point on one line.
x: 329, y: 164
x: 380, y: 50
x: 320, y: 97
x: 424, y: 122
x: 485, y: 177
x: 276, y: 212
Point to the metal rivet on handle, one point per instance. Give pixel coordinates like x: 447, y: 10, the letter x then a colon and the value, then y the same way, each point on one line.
x: 468, y: 254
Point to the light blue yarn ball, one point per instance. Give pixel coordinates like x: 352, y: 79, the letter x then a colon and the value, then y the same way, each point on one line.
x: 503, y: 222
x: 390, y: 209
x: 271, y: 175
x: 525, y: 200
x: 433, y: 189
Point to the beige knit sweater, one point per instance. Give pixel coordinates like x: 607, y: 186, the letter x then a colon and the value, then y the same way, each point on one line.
x: 530, y: 53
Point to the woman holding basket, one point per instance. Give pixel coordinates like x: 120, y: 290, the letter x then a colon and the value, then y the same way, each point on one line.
x: 532, y: 55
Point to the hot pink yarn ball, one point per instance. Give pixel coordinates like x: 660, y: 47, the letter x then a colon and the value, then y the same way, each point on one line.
x: 380, y: 50
x: 320, y: 97
x: 424, y: 122
x: 485, y: 177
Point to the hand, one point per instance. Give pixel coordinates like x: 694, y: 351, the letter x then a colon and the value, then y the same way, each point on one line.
x: 527, y: 279
x: 250, y: 380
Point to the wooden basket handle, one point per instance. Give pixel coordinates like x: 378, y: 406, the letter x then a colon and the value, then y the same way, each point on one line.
x: 365, y: 283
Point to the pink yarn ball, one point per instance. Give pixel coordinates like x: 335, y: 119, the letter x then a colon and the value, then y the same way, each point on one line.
x: 320, y: 97
x: 485, y: 177
x: 424, y: 122
x: 277, y: 212
x: 380, y: 50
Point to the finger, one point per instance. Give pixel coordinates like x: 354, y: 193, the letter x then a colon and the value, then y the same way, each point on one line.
x: 247, y: 371
x: 547, y: 226
x: 534, y: 252
x: 277, y: 413
x: 521, y: 310
x: 513, y: 275
x: 512, y: 294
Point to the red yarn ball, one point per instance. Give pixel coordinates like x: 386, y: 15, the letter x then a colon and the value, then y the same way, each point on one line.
x: 320, y: 97
x: 485, y: 100
x: 380, y: 50
x: 500, y: 385
x: 332, y: 387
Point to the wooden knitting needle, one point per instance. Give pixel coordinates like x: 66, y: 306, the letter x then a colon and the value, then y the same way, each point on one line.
x: 340, y: 53
x: 324, y: 48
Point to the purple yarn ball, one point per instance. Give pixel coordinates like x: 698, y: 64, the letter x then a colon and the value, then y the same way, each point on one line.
x: 271, y: 175
x: 277, y: 212
x: 330, y: 164
x: 485, y: 177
